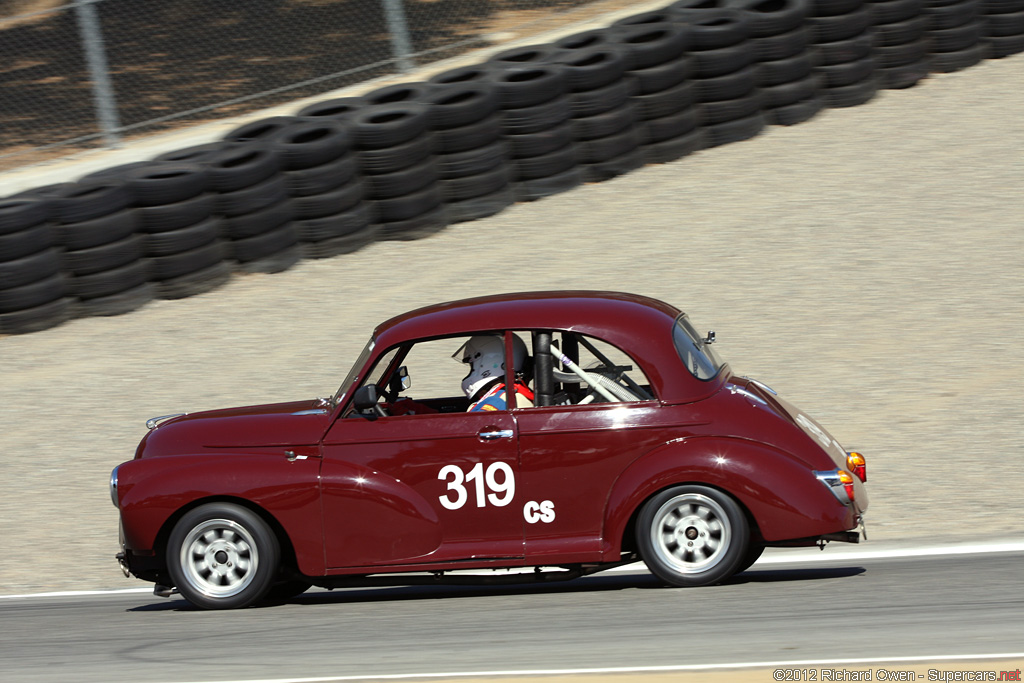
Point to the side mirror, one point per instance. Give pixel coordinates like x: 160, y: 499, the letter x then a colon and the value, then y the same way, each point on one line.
x: 366, y: 397
x: 400, y: 381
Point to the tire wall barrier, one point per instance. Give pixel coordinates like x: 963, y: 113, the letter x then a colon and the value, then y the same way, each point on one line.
x: 404, y: 161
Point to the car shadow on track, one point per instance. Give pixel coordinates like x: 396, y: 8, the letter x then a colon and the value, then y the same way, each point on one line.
x: 590, y: 584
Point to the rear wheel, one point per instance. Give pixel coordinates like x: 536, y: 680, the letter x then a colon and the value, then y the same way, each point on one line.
x: 692, y: 535
x: 222, y: 556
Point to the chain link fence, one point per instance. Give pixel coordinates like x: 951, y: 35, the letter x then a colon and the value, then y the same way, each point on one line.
x: 80, y: 74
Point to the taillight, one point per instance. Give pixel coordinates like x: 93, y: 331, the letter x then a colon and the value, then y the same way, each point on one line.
x: 839, y: 482
x: 858, y: 465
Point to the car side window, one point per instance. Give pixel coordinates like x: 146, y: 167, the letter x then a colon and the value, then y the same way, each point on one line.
x: 587, y: 370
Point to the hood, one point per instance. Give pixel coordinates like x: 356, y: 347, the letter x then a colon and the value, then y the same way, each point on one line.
x: 279, y: 424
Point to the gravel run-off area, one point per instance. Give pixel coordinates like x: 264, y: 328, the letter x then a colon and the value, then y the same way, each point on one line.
x: 868, y: 265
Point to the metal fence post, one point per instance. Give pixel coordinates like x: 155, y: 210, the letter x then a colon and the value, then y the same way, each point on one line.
x: 102, y: 89
x: 400, y: 43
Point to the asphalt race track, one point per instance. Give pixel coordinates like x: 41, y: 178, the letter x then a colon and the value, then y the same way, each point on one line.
x: 833, y: 608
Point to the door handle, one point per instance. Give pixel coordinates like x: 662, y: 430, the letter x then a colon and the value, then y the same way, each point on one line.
x: 496, y: 434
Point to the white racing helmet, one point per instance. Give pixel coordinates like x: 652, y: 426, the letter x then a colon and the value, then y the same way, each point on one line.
x: 485, y: 355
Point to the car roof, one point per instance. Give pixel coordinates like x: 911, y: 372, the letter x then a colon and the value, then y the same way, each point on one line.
x: 639, y: 325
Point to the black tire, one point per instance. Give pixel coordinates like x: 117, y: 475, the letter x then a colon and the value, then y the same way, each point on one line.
x: 102, y: 230
x: 402, y: 182
x: 468, y: 187
x: 415, y: 228
x: 117, y: 173
x: 837, y: 75
x: 38, y: 318
x: 535, y: 144
x: 606, y: 98
x: 28, y: 269
x: 415, y: 91
x: 166, y: 217
x: 345, y: 244
x: 16, y: 245
x: 773, y: 17
x: 336, y: 225
x: 339, y: 108
x: 667, y: 102
x: 78, y: 202
x: 310, y: 143
x: 472, y: 136
x: 387, y: 125
x: 726, y: 60
x: 553, y: 163
x: 669, y: 127
x: 1004, y: 46
x: 110, y: 282
x: 321, y: 178
x: 480, y: 207
x: 786, y: 94
x: 286, y: 590
x: 898, y: 77
x: 844, y: 51
x: 752, y: 554
x: 601, y: 171
x: 241, y: 166
x: 538, y: 188
x: 536, y: 118
x: 892, y: 11
x: 898, y: 55
x: 275, y: 262
x: 602, y: 125
x: 900, y: 32
x: 235, y: 571
x: 196, y: 154
x: 831, y: 8
x: 607, y: 148
x: 199, y: 282
x: 711, y: 29
x: 947, y: 62
x: 167, y: 183
x: 20, y: 214
x: 840, y: 27
x: 472, y: 161
x: 104, y: 257
x: 797, y: 112
x: 117, y: 304
x: 852, y: 95
x: 176, y: 265
x: 955, y: 14
x: 262, y: 129
x: 476, y: 73
x: 529, y: 86
x: 713, y: 113
x: 265, y: 245
x: 692, y: 535
x: 183, y: 239
x: 784, y: 70
x: 663, y: 76
x: 734, y: 131
x: 251, y: 199
x: 586, y: 40
x: 336, y: 201
x: 782, y: 45
x: 1002, y: 6
x: 955, y: 39
x: 525, y: 56
x: 409, y: 206
x: 35, y: 293
x: 729, y: 86
x: 593, y: 68
x: 454, y: 105
x: 999, y: 25
x: 391, y: 159
x: 659, y: 16
x: 651, y: 44
x: 258, y: 222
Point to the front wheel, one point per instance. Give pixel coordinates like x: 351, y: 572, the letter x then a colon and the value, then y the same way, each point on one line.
x: 692, y: 535
x: 222, y: 556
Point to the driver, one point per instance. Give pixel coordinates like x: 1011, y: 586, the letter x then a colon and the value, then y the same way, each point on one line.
x: 484, y: 385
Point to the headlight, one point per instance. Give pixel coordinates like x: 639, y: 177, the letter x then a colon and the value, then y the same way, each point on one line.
x: 113, y: 488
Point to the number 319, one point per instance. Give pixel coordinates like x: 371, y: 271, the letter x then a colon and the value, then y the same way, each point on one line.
x: 501, y: 494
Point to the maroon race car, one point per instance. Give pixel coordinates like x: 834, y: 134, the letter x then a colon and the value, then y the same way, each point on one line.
x: 627, y: 437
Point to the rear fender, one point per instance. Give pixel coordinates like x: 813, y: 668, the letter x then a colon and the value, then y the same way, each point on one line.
x: 153, y: 491
x: 782, y: 495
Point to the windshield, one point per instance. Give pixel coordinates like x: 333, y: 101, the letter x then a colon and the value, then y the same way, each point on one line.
x: 353, y: 374
x: 697, y: 355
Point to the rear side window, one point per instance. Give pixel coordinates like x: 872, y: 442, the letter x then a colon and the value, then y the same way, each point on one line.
x: 695, y: 352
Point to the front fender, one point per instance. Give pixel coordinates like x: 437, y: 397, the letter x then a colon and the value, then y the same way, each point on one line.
x: 782, y: 494
x: 153, y: 490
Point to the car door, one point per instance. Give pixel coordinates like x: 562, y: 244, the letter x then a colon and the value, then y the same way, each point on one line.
x: 424, y: 487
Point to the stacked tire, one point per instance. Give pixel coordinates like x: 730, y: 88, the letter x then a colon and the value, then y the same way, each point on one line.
x: 842, y: 38
x: 955, y: 30
x: 790, y: 89
x: 33, y: 292
x: 663, y: 96
x: 1004, y: 27
x: 320, y: 174
x: 395, y: 150
x: 473, y: 160
x: 900, y: 45
x: 180, y: 235
x: 603, y: 124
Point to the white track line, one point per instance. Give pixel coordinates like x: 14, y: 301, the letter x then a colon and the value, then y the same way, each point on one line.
x: 790, y: 664
x: 802, y: 555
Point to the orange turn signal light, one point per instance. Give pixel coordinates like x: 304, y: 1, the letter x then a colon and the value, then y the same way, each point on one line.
x: 847, y: 480
x: 858, y: 465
